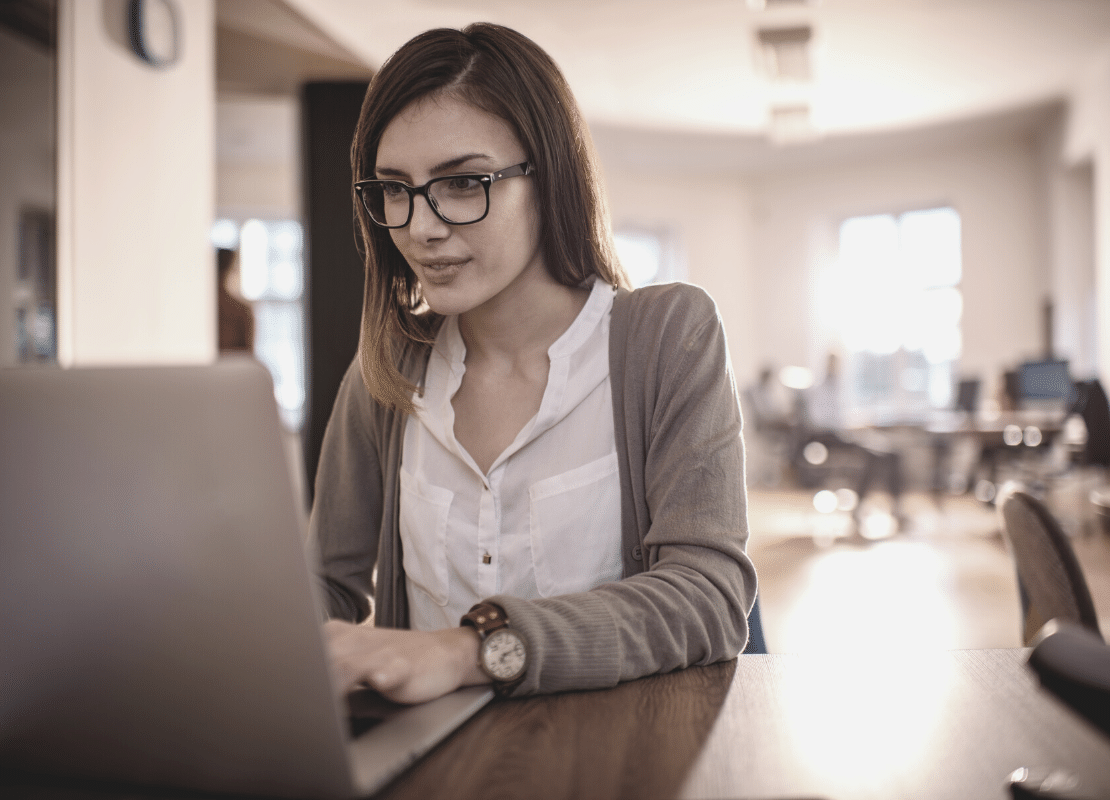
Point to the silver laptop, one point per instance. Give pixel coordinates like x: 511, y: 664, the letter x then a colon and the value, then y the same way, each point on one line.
x: 159, y: 621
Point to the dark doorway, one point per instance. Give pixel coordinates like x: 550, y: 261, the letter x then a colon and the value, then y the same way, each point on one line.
x: 333, y: 267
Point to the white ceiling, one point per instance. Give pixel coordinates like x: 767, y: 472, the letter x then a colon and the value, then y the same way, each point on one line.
x: 278, y: 22
x: 693, y: 65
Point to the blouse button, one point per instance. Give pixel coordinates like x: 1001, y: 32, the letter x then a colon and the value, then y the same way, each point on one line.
x: 637, y: 553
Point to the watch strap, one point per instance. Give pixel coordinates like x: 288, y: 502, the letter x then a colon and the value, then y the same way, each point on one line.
x: 487, y: 618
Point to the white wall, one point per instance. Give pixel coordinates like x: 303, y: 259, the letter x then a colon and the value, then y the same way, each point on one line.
x: 709, y: 218
x: 1088, y: 139
x: 258, y: 157
x: 994, y: 186
x: 763, y: 240
x: 1075, y: 318
x: 136, y: 274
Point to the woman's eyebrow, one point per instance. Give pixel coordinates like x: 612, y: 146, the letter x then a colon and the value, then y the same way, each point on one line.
x: 458, y: 162
x: 443, y: 166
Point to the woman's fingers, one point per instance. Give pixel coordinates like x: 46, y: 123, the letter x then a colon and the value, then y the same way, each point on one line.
x: 405, y: 666
x: 358, y: 657
x: 391, y: 674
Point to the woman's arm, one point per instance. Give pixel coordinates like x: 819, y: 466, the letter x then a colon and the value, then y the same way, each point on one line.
x: 346, y: 515
x: 683, y: 485
x: 346, y: 526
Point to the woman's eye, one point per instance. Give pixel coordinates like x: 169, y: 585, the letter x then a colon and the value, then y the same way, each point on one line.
x: 463, y: 183
x: 392, y: 191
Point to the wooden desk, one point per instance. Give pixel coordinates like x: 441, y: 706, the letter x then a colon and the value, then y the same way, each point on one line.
x: 950, y: 724
x: 947, y: 724
x: 992, y: 440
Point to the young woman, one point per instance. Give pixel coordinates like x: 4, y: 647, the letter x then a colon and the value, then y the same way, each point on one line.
x: 536, y: 474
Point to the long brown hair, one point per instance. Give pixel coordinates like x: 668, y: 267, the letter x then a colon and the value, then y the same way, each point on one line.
x: 505, y: 74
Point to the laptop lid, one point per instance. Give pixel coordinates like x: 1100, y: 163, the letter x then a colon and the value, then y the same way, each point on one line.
x: 158, y: 620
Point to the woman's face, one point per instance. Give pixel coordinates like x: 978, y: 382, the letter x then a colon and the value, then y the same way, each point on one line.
x: 463, y: 267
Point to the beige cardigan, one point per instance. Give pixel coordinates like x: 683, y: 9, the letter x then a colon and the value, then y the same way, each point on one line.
x: 688, y: 584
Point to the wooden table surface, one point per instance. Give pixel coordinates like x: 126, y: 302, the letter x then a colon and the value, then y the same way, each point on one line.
x: 941, y: 724
x: 930, y: 725
x: 950, y: 724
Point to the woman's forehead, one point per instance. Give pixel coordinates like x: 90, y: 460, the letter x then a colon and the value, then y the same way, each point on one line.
x: 439, y: 128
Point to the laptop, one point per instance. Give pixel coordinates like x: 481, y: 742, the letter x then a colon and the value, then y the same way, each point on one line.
x: 159, y: 618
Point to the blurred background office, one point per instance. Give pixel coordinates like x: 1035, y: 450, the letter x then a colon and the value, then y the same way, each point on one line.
x: 919, y: 187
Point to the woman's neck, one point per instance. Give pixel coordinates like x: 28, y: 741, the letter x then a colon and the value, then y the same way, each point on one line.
x: 521, y: 323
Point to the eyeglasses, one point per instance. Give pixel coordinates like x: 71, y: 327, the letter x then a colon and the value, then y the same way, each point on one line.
x: 455, y: 199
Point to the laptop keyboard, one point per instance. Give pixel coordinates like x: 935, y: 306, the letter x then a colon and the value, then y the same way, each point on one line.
x: 366, y: 709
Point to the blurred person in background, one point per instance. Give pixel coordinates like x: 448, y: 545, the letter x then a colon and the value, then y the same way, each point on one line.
x: 824, y: 423
x: 235, y: 319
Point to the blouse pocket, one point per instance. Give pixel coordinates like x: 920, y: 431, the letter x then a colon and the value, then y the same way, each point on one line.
x: 424, y: 509
x: 575, y: 527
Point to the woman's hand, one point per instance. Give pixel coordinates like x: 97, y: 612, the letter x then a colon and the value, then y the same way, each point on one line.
x: 404, y: 666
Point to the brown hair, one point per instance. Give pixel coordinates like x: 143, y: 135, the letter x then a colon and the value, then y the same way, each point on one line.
x: 505, y: 74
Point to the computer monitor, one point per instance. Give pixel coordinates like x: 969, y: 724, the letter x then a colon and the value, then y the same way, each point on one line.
x: 1043, y: 383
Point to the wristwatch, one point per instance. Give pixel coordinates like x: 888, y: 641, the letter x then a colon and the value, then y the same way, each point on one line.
x: 503, y: 651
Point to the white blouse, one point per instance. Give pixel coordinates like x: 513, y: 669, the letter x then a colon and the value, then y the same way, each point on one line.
x: 546, y: 518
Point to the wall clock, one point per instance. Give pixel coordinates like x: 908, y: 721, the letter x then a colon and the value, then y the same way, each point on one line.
x: 154, y: 29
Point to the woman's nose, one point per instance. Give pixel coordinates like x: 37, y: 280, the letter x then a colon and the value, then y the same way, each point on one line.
x: 425, y: 224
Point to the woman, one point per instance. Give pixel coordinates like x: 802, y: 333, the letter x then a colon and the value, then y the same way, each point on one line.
x: 521, y: 440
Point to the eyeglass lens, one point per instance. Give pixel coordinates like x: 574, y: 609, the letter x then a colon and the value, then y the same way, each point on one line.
x: 459, y: 199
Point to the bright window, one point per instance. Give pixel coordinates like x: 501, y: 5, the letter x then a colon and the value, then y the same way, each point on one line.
x: 271, y: 279
x: 898, y: 307
x: 648, y: 256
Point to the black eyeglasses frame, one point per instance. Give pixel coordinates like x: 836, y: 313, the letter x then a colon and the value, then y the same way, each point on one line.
x: 485, y: 179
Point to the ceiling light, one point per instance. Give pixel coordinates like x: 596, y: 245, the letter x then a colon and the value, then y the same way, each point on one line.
x: 785, y: 52
x: 759, y: 5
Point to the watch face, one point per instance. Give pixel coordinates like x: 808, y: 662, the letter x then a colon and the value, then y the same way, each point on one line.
x: 503, y: 655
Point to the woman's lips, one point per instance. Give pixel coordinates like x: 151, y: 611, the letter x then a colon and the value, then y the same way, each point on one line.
x: 439, y: 271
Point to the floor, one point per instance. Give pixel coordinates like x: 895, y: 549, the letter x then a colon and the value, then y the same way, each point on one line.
x: 945, y: 581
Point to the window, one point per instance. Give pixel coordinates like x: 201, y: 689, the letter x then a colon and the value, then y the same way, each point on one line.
x: 648, y: 256
x: 35, y: 291
x: 271, y: 279
x: 898, y: 311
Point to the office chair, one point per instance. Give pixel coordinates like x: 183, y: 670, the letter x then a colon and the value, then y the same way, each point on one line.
x: 757, y: 644
x: 1091, y: 404
x: 1050, y: 580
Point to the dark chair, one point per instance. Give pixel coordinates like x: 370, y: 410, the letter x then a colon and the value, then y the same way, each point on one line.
x: 1050, y: 580
x: 757, y: 645
x: 1074, y: 664
x: 967, y: 395
x: 1091, y: 404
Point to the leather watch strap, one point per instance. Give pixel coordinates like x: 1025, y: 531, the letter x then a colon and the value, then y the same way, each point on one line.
x: 486, y: 619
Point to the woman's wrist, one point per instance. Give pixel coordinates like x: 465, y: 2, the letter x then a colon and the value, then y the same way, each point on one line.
x: 463, y: 642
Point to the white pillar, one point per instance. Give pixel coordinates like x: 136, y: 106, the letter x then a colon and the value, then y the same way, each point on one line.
x: 136, y: 196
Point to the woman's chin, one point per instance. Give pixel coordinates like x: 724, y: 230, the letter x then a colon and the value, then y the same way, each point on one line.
x: 446, y: 300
